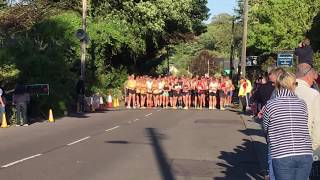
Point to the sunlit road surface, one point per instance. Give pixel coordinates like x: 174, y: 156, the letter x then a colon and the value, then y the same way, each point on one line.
x: 131, y: 145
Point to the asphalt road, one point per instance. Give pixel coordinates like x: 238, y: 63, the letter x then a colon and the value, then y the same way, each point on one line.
x: 131, y: 145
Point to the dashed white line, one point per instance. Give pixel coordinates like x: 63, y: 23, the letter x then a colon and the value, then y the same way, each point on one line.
x: 112, y: 128
x: 78, y: 141
x: 21, y: 160
x: 148, y: 115
x: 136, y: 120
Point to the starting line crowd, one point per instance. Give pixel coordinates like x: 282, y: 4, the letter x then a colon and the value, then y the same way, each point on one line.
x: 178, y: 92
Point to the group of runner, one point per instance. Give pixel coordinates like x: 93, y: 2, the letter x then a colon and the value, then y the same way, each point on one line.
x: 178, y: 92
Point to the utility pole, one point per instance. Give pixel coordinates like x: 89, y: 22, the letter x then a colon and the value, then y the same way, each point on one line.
x: 244, y: 37
x: 232, y: 48
x: 84, y: 42
x: 208, y: 68
x: 168, y: 64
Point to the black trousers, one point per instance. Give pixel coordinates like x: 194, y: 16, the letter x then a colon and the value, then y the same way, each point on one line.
x: 243, y: 102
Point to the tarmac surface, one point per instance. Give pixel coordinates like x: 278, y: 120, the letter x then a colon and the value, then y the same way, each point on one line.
x: 155, y: 144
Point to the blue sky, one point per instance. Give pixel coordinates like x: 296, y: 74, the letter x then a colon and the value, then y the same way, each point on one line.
x: 221, y: 6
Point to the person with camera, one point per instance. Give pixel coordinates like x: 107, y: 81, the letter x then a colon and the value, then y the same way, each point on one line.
x: 2, y: 104
x: 20, y: 99
x: 304, y: 52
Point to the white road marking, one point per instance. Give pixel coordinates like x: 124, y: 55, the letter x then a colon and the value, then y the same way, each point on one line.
x: 136, y: 120
x: 148, y: 115
x: 159, y: 110
x: 21, y: 160
x: 112, y: 128
x: 78, y: 141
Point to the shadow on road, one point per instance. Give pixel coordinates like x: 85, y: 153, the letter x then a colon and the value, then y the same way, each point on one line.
x: 118, y: 142
x: 162, y: 159
x: 253, y: 132
x: 241, y: 163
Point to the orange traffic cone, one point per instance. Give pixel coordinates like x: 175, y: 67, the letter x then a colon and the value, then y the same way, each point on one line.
x: 50, y: 119
x: 109, y: 102
x: 4, y: 123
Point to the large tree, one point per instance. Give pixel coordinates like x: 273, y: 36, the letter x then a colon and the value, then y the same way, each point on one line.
x: 280, y: 24
x: 38, y: 43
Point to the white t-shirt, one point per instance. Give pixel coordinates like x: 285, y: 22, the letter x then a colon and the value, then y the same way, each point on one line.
x: 161, y: 85
x: 213, y: 86
x: 149, y: 85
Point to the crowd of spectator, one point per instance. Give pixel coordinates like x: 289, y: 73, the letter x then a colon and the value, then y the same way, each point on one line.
x: 288, y: 105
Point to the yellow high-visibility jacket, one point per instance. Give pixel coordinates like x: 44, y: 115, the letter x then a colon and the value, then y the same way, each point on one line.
x: 249, y: 87
x: 243, y: 89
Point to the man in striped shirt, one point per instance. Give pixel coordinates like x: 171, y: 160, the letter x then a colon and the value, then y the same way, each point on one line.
x: 285, y: 120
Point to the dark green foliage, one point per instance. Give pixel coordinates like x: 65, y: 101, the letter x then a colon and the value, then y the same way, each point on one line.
x: 199, y: 65
x: 313, y: 33
x: 124, y: 37
x: 218, y: 40
x: 42, y: 55
x: 280, y: 24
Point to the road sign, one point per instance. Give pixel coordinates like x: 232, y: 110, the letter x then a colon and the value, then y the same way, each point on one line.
x: 252, y: 60
x: 38, y: 89
x: 285, y: 60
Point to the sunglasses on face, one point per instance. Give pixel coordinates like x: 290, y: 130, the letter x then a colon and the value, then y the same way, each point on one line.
x: 307, y: 71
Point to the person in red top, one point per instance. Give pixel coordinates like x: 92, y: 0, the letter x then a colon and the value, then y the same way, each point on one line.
x: 201, y: 92
x: 222, y: 93
x: 186, y: 93
x: 194, y: 84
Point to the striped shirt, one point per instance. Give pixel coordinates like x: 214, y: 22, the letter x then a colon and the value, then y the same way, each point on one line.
x: 286, y: 122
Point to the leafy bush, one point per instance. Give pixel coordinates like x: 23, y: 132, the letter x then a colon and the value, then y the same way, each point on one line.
x: 316, y: 61
x: 46, y: 54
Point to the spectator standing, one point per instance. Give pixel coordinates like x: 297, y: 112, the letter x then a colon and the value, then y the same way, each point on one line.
x: 80, y: 95
x: 248, y: 92
x: 256, y: 97
x: 285, y: 120
x: 21, y: 98
x: 2, y: 104
x: 266, y: 92
x: 243, y: 93
x: 306, y: 76
x: 304, y: 52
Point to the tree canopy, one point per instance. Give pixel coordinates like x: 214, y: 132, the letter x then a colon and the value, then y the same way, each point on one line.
x: 217, y: 42
x: 39, y: 45
x: 280, y: 24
